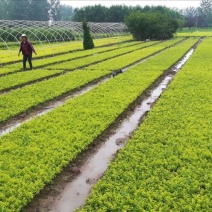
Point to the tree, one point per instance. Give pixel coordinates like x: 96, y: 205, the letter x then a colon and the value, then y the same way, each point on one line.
x: 3, y: 11
x: 99, y: 13
x: 66, y: 13
x: 139, y: 25
x: 117, y: 13
x: 163, y: 26
x: 79, y: 15
x: 154, y: 25
x: 54, y: 10
x: 96, y: 13
x: 40, y: 7
x: 190, y: 14
x: 36, y: 10
x: 87, y: 39
x: 18, y: 11
x: 194, y: 17
x: 206, y: 7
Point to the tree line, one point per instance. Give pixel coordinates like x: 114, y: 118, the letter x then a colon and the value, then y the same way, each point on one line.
x: 198, y: 17
x: 189, y: 17
x: 43, y: 10
x: 33, y: 10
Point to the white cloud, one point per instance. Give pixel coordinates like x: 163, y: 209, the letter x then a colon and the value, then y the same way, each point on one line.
x: 179, y: 3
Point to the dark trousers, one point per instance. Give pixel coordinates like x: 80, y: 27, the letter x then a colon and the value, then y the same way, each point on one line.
x: 29, y: 58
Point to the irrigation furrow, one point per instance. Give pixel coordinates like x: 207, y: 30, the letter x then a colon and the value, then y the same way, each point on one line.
x: 80, y: 57
x: 68, y: 193
x: 49, y: 143
x: 59, y: 54
x: 46, y: 107
x: 63, y: 53
x: 54, y: 63
x: 7, y: 90
x: 85, y: 66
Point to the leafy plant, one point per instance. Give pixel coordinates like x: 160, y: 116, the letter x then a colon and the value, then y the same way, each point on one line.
x: 18, y: 101
x: 87, y: 38
x: 166, y: 166
x: 32, y: 155
x: 152, y: 25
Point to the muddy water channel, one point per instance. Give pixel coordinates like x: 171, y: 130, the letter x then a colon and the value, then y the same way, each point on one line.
x: 42, y: 110
x: 75, y: 192
x: 46, y: 109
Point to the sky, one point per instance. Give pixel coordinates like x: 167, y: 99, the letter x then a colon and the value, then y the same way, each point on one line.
x: 179, y: 4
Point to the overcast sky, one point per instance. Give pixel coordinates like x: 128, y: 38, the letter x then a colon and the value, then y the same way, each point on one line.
x: 168, y: 3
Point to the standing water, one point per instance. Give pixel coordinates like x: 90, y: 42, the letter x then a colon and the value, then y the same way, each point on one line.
x: 15, y: 123
x: 40, y: 112
x: 75, y: 192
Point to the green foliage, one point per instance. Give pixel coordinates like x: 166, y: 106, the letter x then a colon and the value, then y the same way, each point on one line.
x: 198, y: 17
x: 166, y: 166
x: 99, y: 13
x: 29, y: 10
x: 73, y: 56
x: 87, y: 38
x: 3, y: 11
x: 151, y: 25
x: 24, y: 77
x: 206, y: 8
x: 195, y: 32
x: 128, y: 59
x: 33, y: 154
x: 18, y: 10
x: 66, y: 12
x: 46, y: 49
x: 117, y: 13
x: 193, y: 17
x: 18, y: 101
x: 32, y: 95
x: 38, y: 34
x: 39, y: 7
x: 98, y: 58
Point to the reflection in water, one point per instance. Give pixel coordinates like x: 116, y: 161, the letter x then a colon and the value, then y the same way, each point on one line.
x: 75, y: 193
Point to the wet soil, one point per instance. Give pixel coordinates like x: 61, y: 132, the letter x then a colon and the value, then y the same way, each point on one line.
x: 41, y: 109
x: 70, y: 188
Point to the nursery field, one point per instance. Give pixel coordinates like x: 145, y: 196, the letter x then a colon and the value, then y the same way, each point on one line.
x: 195, y: 32
x: 166, y: 166
x: 166, y: 163
x: 10, y: 53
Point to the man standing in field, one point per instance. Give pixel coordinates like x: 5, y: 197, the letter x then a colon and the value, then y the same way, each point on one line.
x: 26, y: 48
